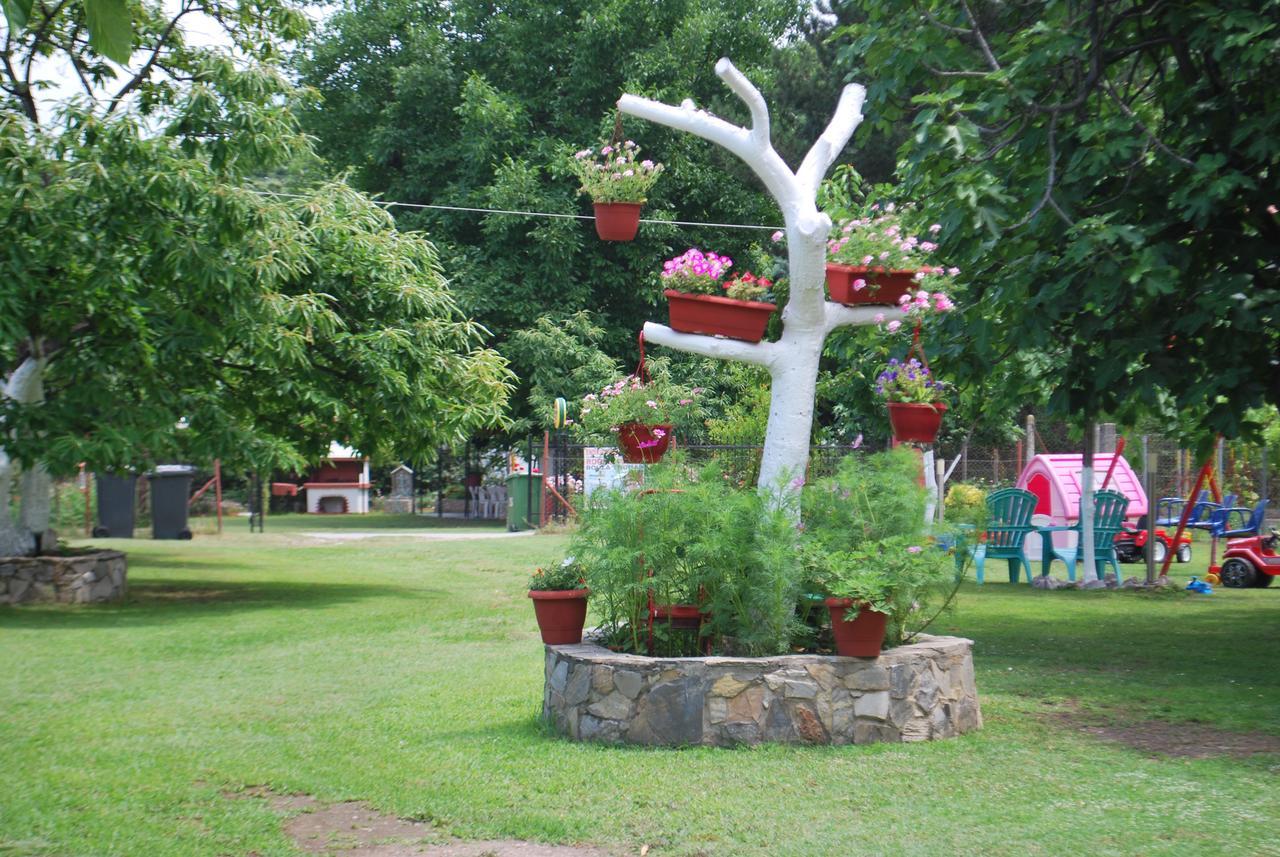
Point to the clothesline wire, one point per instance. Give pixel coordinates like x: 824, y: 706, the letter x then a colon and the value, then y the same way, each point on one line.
x: 517, y: 212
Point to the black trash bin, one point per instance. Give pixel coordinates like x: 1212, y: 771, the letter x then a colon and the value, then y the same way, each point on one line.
x: 170, y: 488
x: 116, y: 496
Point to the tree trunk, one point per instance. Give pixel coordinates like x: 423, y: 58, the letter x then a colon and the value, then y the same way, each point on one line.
x: 1090, y: 567
x: 26, y: 385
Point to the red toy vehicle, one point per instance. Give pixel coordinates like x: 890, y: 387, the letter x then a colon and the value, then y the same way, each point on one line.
x: 1250, y: 561
x: 1131, y: 543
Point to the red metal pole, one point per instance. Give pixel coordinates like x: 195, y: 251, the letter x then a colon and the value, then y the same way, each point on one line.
x: 1112, y: 469
x: 1206, y: 472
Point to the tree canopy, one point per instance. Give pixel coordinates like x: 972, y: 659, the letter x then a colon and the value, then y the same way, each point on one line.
x: 1106, y: 172
x: 150, y: 276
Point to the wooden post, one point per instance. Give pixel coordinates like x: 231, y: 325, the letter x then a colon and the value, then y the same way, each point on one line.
x: 84, y: 487
x: 542, y: 493
x: 1031, y: 436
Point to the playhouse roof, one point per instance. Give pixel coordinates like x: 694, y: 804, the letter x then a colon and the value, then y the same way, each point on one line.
x: 1063, y: 472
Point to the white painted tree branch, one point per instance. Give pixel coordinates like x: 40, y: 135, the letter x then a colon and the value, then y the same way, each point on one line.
x: 847, y: 118
x: 760, y: 353
x: 807, y: 318
x: 839, y: 315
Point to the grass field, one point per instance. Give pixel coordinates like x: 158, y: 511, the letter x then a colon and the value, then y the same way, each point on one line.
x: 407, y: 673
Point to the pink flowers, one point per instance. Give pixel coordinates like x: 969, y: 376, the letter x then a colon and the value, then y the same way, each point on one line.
x: 695, y: 271
x: 859, y: 284
x: 914, y: 549
x: 893, y: 326
x: 779, y: 235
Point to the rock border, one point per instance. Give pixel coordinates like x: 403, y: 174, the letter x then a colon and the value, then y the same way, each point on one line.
x: 920, y: 692
x: 83, y: 578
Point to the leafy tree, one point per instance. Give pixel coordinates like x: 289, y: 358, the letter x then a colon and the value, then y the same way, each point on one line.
x: 146, y: 280
x: 1106, y: 173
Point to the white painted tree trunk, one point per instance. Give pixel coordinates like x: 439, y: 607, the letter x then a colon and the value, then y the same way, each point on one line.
x: 25, y: 384
x: 808, y: 317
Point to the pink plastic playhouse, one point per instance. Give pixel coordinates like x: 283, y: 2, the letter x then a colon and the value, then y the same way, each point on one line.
x: 1055, y: 480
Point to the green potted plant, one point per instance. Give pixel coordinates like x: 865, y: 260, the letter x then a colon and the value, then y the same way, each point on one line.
x: 559, y: 598
x: 694, y: 283
x: 640, y: 415
x: 875, y: 259
x: 617, y: 180
x: 864, y: 547
x: 914, y: 400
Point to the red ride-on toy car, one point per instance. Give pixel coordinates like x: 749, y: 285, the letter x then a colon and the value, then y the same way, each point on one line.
x: 1131, y: 544
x: 1251, y: 561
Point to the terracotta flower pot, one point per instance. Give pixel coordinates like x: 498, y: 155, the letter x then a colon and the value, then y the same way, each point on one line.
x: 640, y: 444
x: 913, y: 422
x: 860, y: 637
x: 617, y: 221
x: 681, y: 616
x: 561, y: 613
x: 718, y: 316
x: 883, y: 287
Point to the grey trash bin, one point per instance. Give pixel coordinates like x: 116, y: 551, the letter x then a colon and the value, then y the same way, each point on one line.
x: 116, y: 499
x: 170, y: 488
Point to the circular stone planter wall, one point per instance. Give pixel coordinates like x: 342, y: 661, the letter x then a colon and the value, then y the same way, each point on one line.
x: 74, y: 579
x: 912, y: 693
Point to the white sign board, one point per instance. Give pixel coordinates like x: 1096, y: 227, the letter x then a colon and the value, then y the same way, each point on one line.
x: 603, y: 467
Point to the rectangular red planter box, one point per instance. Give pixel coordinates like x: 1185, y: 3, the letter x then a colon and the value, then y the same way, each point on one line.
x: 717, y: 316
x: 892, y: 284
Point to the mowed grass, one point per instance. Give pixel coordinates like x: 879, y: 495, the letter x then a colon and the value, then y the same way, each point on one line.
x: 408, y: 673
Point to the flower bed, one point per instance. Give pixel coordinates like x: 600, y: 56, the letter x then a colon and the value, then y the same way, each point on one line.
x: 918, y: 692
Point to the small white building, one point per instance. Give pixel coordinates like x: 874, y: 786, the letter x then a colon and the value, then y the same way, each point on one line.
x: 340, y: 485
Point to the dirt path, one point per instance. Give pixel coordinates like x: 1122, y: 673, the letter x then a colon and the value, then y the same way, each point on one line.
x: 352, y: 829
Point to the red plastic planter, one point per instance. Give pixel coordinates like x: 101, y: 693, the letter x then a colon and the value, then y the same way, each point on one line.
x: 718, y: 316
x: 617, y: 221
x: 861, y: 637
x: 639, y: 445
x: 883, y: 287
x: 561, y: 613
x: 913, y: 422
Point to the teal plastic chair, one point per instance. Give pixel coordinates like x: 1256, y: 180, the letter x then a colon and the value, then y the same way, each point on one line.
x: 1009, y: 514
x: 1108, y: 516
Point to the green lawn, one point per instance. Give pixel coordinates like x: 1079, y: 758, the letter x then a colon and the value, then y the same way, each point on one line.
x: 408, y: 674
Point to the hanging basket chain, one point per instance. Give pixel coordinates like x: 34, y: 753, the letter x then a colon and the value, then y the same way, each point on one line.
x: 917, y: 348
x: 617, y: 129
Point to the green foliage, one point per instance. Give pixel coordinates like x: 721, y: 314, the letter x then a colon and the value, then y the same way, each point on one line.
x: 691, y: 538
x: 1104, y: 175
x: 868, y: 499
x: 403, y: 106
x: 900, y: 576
x: 159, y: 286
x: 965, y: 505
x: 656, y: 400
x: 559, y: 358
x: 617, y: 175
x: 864, y: 538
x: 562, y: 575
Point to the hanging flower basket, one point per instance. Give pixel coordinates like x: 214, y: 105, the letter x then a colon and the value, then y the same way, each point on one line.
x: 914, y: 422
x: 561, y: 614
x: 718, y: 316
x: 856, y: 284
x: 617, y: 221
x: 643, y: 444
x: 861, y: 637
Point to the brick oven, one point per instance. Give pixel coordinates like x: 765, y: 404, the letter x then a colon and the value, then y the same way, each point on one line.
x: 340, y: 485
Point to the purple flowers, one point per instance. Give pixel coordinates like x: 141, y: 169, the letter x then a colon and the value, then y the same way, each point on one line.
x: 908, y: 382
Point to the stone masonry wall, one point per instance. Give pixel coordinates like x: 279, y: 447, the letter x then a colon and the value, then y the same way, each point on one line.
x: 918, y: 692
x: 76, y: 579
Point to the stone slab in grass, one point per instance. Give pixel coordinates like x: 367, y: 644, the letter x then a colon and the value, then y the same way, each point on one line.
x: 919, y: 692
x: 79, y: 578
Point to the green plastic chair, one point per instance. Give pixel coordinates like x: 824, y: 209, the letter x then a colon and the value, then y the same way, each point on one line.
x: 1108, y: 514
x: 1009, y: 514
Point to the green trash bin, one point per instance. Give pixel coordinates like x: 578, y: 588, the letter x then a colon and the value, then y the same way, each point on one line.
x: 524, y: 501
